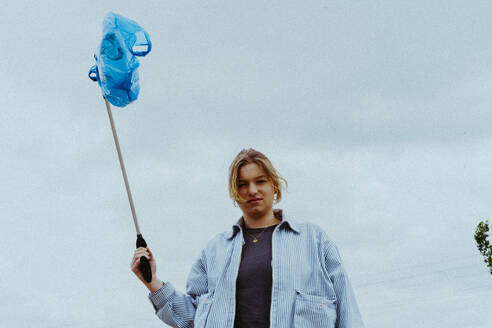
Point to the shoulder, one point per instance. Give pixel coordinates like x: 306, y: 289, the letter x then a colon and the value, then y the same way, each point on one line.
x: 213, y: 248
x: 217, y: 243
x: 307, y: 227
x: 325, y: 246
x: 312, y: 231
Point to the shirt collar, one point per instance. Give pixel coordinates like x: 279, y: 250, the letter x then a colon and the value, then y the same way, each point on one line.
x: 285, y: 221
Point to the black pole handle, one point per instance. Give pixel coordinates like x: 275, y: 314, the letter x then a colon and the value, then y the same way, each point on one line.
x: 144, y: 265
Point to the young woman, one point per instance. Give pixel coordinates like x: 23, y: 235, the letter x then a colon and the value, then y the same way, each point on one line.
x: 267, y: 271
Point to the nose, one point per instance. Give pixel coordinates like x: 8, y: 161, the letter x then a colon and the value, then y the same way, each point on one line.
x: 252, y: 189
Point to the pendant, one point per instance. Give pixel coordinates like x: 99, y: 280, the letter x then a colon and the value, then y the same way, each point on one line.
x: 255, y: 240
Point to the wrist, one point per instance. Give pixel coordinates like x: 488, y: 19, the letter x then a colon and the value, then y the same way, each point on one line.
x: 155, y: 284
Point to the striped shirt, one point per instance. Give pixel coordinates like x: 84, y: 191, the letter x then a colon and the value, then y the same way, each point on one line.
x: 310, y: 287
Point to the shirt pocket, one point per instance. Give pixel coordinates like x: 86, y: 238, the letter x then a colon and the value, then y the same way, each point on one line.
x: 203, y: 309
x: 312, y: 311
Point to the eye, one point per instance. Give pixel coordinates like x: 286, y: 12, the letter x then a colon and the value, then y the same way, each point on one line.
x: 261, y: 181
x: 241, y: 185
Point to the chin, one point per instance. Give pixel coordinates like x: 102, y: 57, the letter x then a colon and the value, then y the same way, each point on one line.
x: 257, y: 212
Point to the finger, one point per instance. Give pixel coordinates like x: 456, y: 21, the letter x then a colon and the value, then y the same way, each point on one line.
x: 143, y: 253
x: 136, y: 261
x: 140, y: 249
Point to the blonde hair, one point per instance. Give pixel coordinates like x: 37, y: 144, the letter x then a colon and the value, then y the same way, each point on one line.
x: 247, y: 156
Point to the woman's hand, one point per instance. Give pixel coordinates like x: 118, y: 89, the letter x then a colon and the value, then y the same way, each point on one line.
x: 156, y: 283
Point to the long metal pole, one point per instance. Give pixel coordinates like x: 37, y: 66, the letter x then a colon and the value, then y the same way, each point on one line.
x: 122, y: 165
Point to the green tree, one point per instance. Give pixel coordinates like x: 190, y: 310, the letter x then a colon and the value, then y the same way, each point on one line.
x: 481, y: 234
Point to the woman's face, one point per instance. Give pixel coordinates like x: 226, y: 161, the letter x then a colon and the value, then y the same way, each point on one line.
x: 255, y: 187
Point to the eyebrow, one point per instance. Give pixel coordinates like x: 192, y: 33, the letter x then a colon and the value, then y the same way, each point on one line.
x: 260, y: 176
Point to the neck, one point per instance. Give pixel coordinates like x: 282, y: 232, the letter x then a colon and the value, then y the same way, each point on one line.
x: 263, y: 221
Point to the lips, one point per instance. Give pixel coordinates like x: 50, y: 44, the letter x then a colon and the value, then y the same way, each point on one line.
x: 254, y: 200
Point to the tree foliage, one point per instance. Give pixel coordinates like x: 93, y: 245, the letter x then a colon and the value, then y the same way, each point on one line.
x: 481, y: 234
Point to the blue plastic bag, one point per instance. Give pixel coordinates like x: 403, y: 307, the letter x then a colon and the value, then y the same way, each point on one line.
x: 116, y: 61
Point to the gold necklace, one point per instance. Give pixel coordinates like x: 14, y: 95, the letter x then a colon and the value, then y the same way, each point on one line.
x: 255, y: 239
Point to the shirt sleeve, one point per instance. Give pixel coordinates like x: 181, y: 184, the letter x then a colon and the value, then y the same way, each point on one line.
x: 348, y: 314
x: 175, y: 308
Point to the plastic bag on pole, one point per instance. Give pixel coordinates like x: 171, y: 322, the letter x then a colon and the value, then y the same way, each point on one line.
x: 116, y: 61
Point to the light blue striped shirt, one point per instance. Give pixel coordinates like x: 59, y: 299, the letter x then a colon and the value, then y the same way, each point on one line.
x: 310, y: 287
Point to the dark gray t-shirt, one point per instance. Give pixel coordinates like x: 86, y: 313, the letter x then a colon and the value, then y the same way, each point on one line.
x: 254, y: 280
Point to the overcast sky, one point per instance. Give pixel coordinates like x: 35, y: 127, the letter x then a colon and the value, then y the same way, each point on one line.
x: 378, y: 113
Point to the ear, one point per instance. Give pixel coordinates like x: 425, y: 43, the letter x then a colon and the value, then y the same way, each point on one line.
x: 275, y: 189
